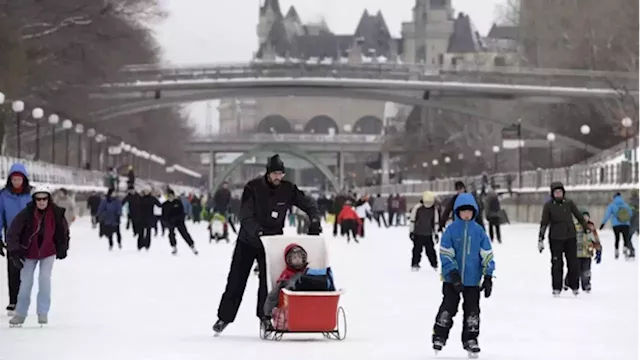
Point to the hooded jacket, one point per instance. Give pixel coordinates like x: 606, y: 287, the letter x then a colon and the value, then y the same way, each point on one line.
x: 287, y: 280
x: 465, y: 247
x: 557, y: 215
x: 12, y: 203
x: 612, y: 212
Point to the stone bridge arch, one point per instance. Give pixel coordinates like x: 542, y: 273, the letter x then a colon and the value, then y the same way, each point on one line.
x: 369, y: 124
x: 283, y: 149
x: 320, y: 124
x: 274, y: 123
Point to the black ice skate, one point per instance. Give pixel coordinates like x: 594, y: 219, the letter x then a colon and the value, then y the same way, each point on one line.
x: 195, y: 252
x: 415, y: 268
x: 219, y: 327
x: 174, y: 251
x: 438, y: 345
x: 473, y: 350
x: 11, y: 310
x: 616, y: 254
x: 556, y: 293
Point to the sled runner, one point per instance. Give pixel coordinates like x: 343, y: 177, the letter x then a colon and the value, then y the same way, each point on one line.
x: 302, y: 311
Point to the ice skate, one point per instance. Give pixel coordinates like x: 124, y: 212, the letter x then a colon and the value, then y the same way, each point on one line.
x: 576, y: 292
x: 616, y: 254
x: 110, y: 247
x: 473, y: 350
x: 195, y: 252
x: 16, y: 321
x: 556, y: 293
x: 438, y: 345
x: 43, y: 319
x: 174, y: 251
x: 120, y: 246
x: 11, y: 310
x: 415, y: 268
x: 219, y: 327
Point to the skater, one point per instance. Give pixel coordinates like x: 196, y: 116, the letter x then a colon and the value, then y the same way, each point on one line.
x: 63, y: 199
x: 93, y: 203
x: 146, y: 218
x: 620, y: 213
x: 349, y: 222
x: 422, y: 228
x: 109, y: 213
x: 38, y: 235
x: 13, y: 198
x: 363, y: 209
x: 467, y: 259
x: 173, y: 217
x: 265, y: 201
x: 132, y: 201
x: 493, y: 215
x: 446, y: 214
x: 557, y: 216
x: 587, y: 245
x: 157, y: 213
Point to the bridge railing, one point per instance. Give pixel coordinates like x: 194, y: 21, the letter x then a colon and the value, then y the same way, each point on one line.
x: 59, y: 175
x: 580, y: 176
x: 294, y: 138
x: 243, y: 68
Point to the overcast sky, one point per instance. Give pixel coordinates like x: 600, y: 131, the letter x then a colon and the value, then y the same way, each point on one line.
x: 215, y: 31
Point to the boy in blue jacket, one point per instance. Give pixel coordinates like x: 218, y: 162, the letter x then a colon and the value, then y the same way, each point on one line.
x: 467, y: 258
x: 620, y: 213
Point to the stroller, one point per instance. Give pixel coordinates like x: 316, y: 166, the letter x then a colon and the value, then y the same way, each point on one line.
x: 218, y: 228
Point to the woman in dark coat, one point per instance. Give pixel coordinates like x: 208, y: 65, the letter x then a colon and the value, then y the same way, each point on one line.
x: 38, y: 235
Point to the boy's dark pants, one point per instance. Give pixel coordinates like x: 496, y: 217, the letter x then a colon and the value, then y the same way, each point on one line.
x: 449, y: 309
x: 426, y: 242
x: 584, y: 271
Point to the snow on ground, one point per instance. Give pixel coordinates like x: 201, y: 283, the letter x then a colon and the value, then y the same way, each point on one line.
x: 130, y: 305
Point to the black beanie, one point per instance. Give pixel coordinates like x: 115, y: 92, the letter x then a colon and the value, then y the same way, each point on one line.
x: 275, y: 164
x: 459, y: 185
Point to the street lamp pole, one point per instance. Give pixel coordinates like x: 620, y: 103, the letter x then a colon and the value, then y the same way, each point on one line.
x: 67, y: 125
x: 585, y: 130
x: 90, y: 134
x: 626, y: 123
x: 496, y: 151
x: 53, y: 120
x: 37, y: 114
x: 18, y: 108
x: 551, y: 137
x: 79, y: 131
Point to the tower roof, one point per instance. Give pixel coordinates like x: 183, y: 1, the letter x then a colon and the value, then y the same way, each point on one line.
x: 292, y: 14
x: 465, y: 37
x: 273, y: 5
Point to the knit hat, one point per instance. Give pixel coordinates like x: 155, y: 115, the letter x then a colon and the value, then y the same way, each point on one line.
x: 585, y: 212
x: 275, y: 164
x: 428, y: 198
x: 459, y: 185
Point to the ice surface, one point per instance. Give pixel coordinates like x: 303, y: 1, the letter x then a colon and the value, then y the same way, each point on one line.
x: 129, y: 305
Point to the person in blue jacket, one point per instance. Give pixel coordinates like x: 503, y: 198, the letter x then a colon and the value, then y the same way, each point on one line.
x: 13, y: 198
x: 620, y: 214
x: 109, y: 214
x: 467, y: 260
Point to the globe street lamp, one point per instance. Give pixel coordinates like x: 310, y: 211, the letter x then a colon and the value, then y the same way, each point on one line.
x: 551, y: 137
x: 626, y: 123
x: 496, y: 151
x: 585, y: 130
x: 18, y: 108
x: 53, y: 121
x: 79, y: 131
x: 67, y: 125
x: 37, y: 114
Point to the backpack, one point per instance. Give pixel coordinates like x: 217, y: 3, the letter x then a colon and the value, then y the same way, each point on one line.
x: 316, y: 280
x: 623, y: 215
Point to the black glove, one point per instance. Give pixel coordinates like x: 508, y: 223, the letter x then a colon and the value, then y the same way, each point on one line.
x: 456, y: 280
x: 17, y: 260
x: 601, y: 226
x: 412, y: 236
x: 314, y: 228
x: 487, y: 285
x: 437, y: 238
x: 61, y: 255
x: 2, y: 246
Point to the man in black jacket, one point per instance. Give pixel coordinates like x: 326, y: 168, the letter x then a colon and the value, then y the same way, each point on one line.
x: 557, y: 216
x: 265, y: 201
x: 446, y: 214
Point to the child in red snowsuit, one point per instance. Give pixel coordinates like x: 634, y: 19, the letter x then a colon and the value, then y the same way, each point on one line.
x: 349, y: 222
x: 296, y: 259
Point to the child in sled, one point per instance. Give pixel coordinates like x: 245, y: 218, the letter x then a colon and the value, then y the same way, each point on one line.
x: 218, y: 228
x: 588, y: 245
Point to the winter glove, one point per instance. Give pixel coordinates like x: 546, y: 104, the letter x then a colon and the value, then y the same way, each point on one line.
x: 540, y: 245
x: 456, y: 280
x: 61, y: 255
x: 17, y: 260
x: 487, y: 285
x: 315, y: 228
x: 601, y: 226
x: 412, y: 236
x: 598, y: 257
x: 2, y: 246
x: 437, y: 238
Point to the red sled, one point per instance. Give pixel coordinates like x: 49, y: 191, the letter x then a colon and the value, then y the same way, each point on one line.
x: 302, y: 311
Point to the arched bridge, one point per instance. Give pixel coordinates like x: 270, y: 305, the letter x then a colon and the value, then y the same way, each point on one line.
x: 382, y: 71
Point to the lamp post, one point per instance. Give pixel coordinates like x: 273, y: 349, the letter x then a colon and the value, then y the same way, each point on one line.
x: 585, y: 130
x: 18, y: 107
x: 551, y: 137
x: 496, y: 151
x: 626, y: 123
x: 67, y: 125
x: 100, y: 139
x: 90, y: 134
x: 53, y: 121
x: 37, y: 114
x: 79, y: 131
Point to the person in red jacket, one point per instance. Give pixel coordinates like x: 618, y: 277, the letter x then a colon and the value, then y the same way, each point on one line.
x: 38, y: 235
x: 349, y: 221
